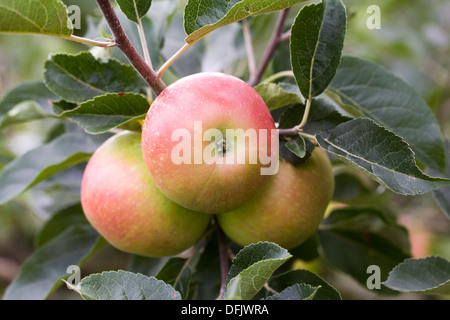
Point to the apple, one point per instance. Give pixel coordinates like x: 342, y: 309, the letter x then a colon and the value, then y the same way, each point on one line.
x: 290, y: 208
x: 210, y: 142
x: 123, y: 204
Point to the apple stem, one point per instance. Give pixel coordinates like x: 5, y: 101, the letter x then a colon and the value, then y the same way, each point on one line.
x: 249, y: 48
x: 289, y: 132
x: 306, y: 114
x: 187, y: 262
x: 276, y: 39
x: 308, y: 136
x: 296, y: 131
x: 268, y: 288
x: 102, y: 44
x: 281, y: 74
x: 285, y: 36
x: 143, y: 40
x: 172, y: 59
x: 124, y: 44
x: 223, y: 253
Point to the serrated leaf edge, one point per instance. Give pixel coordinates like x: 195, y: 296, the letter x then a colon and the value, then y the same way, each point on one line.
x: 120, y: 271
x: 373, y: 175
x: 417, y: 259
x: 233, y: 282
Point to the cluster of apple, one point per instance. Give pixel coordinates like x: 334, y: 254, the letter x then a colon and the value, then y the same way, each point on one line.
x: 208, y: 148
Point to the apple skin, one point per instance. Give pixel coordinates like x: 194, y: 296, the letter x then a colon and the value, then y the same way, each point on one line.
x: 290, y: 208
x: 122, y: 203
x: 219, y: 101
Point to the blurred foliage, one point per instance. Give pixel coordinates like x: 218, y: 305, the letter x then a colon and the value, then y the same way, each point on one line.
x: 413, y: 43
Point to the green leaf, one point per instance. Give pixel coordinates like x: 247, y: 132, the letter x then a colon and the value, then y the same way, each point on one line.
x: 134, y: 9
x: 176, y: 273
x: 277, y: 95
x: 251, y: 269
x: 43, y: 270
x: 145, y: 265
x: 124, y: 285
x: 430, y: 275
x: 317, y: 40
x: 58, y: 192
x: 81, y: 77
x: 206, y: 280
x: 354, y: 238
x: 297, y: 146
x: 324, y: 290
x: 355, y: 189
x: 306, y: 251
x: 204, y: 16
x: 62, y: 105
x: 442, y: 195
x: 379, y: 153
x: 58, y: 223
x: 23, y: 112
x: 298, y: 291
x: 364, y: 88
x: 47, y: 17
x: 108, y: 111
x: 27, y: 91
x: 42, y: 162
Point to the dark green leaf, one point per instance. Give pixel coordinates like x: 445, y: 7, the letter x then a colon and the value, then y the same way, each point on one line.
x: 324, y: 290
x: 355, y: 188
x: 124, y: 285
x: 379, y: 153
x: 306, y: 251
x: 354, y: 238
x: 352, y: 186
x: 23, y: 112
x: 364, y: 88
x: 207, y: 277
x: 134, y: 9
x: 59, y: 223
x: 276, y: 96
x: 293, y: 158
x: 204, y: 16
x: 297, y: 146
x: 58, y: 192
x: 42, y: 162
x: 81, y: 77
x: 429, y: 275
x: 43, y: 270
x: 61, y: 106
x: 47, y: 17
x: 251, y: 269
x: 108, y: 111
x: 317, y: 40
x: 27, y: 91
x: 176, y: 273
x: 145, y: 265
x: 298, y: 291
x: 442, y: 195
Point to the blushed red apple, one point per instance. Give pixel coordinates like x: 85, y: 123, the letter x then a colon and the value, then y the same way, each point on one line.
x: 123, y: 204
x: 290, y: 208
x: 210, y: 142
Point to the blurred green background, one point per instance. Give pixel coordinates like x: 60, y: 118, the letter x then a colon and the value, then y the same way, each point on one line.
x: 413, y: 43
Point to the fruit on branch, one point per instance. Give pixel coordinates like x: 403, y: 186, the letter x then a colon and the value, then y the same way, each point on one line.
x: 209, y: 142
x: 290, y: 208
x: 123, y: 204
